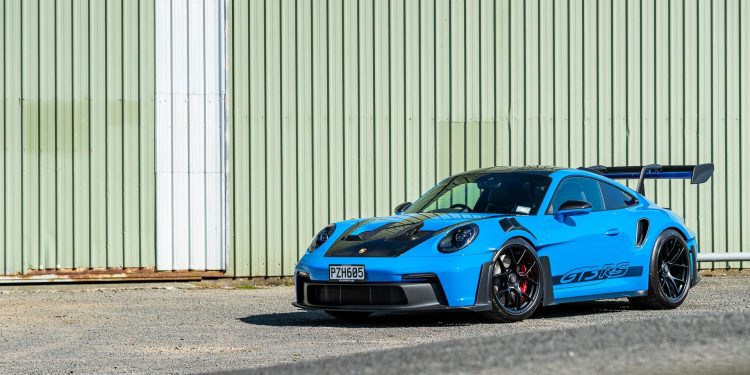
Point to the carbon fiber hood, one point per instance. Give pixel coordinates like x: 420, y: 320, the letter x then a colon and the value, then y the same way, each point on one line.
x: 394, y: 235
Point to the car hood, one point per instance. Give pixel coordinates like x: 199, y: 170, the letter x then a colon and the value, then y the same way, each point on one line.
x: 394, y: 235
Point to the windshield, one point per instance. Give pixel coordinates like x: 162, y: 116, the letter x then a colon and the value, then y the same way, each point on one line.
x: 513, y: 193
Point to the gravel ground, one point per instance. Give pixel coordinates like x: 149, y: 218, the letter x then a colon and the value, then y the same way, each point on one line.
x: 178, y: 328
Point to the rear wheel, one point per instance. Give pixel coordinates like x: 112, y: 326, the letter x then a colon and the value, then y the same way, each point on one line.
x: 669, y: 275
x: 350, y: 316
x: 515, y: 282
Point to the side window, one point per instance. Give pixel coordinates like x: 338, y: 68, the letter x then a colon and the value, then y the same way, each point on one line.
x: 614, y: 198
x: 578, y: 189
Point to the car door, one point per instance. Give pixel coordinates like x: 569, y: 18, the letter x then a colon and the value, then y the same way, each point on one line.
x: 633, y: 260
x: 584, y: 249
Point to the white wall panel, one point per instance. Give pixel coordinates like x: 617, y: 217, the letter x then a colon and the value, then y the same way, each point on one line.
x: 190, y: 127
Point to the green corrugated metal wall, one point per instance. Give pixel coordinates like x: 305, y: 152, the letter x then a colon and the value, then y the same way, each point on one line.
x: 344, y: 108
x: 78, y: 134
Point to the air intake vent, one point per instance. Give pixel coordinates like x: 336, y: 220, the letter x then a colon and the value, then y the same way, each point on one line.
x: 641, y: 232
x: 367, y: 295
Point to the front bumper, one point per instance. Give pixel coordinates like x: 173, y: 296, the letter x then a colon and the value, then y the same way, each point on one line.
x: 457, y: 276
x: 422, y: 295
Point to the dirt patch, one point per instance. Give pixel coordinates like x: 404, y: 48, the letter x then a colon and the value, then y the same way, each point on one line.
x: 253, y: 283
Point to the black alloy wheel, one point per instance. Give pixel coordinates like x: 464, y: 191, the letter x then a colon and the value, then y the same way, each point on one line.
x: 515, y: 282
x: 669, y: 276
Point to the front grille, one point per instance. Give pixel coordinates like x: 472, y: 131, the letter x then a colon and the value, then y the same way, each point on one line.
x: 347, y: 295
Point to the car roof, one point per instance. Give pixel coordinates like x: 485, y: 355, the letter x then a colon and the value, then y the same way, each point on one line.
x: 532, y: 169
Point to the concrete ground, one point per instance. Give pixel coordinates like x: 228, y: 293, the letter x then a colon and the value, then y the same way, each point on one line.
x: 181, y: 328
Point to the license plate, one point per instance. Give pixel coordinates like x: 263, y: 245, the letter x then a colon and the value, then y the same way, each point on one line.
x: 346, y: 272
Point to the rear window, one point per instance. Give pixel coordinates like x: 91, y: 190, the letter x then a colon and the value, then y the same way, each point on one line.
x: 615, y: 198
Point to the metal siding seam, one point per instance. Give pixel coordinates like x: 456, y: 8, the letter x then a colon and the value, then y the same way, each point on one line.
x: 390, y: 111
x: 296, y: 124
x: 265, y: 130
x: 406, y: 161
x: 711, y: 90
x: 510, y: 74
x: 466, y: 94
x: 419, y: 90
x: 450, y: 86
x: 739, y: 64
x: 554, y: 83
x: 4, y: 51
x: 612, y: 82
x: 281, y: 136
x: 627, y: 81
x: 726, y: 132
x: 538, y: 80
x: 232, y: 153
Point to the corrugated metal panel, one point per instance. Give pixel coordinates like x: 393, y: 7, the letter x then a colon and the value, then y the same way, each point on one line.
x: 345, y: 108
x: 190, y: 50
x: 77, y: 115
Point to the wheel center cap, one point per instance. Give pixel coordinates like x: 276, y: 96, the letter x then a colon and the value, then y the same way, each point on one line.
x: 512, y: 278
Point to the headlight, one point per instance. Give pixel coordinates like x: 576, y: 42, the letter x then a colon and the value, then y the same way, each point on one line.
x: 458, y: 238
x: 321, y: 237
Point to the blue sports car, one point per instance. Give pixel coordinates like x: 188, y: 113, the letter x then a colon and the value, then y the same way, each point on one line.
x: 503, y: 241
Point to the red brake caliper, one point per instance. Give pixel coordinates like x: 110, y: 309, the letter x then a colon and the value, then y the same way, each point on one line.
x: 523, y: 284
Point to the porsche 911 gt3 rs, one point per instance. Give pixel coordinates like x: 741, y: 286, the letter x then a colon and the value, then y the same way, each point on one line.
x: 503, y: 241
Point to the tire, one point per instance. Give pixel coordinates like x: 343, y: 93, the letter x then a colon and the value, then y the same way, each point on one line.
x: 349, y: 316
x: 669, y: 274
x: 516, y: 282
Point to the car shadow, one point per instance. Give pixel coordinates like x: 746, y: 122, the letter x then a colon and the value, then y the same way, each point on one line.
x: 439, y: 319
x: 582, y: 308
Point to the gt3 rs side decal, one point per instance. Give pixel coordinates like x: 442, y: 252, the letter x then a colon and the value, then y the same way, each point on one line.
x: 598, y: 273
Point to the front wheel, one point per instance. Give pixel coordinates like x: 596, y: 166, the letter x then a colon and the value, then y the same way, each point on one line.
x: 669, y: 275
x: 515, y: 282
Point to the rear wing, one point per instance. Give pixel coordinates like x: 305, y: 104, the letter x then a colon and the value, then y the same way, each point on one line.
x: 697, y: 174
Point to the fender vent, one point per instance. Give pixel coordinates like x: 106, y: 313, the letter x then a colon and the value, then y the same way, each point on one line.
x: 641, y: 232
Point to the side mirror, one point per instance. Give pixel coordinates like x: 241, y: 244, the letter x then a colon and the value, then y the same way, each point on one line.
x: 573, y: 208
x: 401, y: 208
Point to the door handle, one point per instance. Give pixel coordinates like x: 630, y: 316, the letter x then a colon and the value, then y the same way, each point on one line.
x: 612, y: 232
